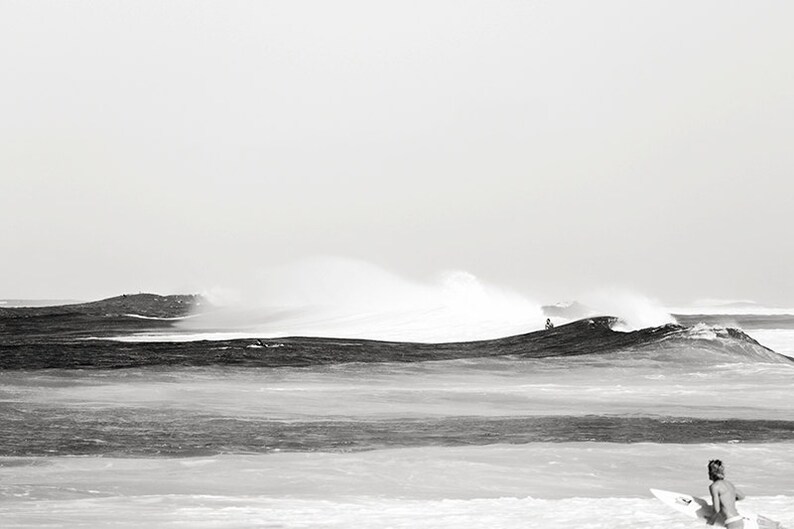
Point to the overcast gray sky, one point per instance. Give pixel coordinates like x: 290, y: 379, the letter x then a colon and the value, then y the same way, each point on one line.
x: 548, y: 147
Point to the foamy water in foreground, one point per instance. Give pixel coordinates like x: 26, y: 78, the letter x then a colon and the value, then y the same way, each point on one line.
x: 212, y: 512
x: 596, y: 485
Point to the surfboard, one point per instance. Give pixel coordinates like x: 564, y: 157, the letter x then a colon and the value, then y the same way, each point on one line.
x: 701, y: 508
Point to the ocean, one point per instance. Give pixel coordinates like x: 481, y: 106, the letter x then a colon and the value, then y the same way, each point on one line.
x: 553, y: 429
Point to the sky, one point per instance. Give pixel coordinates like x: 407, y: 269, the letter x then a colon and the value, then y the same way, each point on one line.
x: 549, y: 148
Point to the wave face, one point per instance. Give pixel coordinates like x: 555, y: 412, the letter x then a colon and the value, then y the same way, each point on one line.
x: 36, y: 349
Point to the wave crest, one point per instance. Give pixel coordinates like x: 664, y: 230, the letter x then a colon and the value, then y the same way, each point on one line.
x: 347, y: 298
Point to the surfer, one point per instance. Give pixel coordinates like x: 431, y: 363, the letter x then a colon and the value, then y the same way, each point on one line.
x: 549, y: 324
x: 723, y: 497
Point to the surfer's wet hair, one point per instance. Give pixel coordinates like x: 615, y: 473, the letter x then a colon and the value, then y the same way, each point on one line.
x: 716, y: 470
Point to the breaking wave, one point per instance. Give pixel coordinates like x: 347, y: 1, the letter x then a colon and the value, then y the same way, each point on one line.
x: 347, y: 298
x: 590, y: 338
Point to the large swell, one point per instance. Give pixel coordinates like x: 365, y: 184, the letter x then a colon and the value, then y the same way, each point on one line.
x: 584, y: 338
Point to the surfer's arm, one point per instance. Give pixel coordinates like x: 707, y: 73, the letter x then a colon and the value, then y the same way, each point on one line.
x: 715, y: 502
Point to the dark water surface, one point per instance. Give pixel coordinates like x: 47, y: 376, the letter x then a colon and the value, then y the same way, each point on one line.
x: 41, y: 430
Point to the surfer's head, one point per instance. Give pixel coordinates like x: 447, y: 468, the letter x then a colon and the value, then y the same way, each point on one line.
x: 716, y: 470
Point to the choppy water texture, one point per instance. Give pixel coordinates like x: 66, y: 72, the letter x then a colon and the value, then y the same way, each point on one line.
x: 559, y: 429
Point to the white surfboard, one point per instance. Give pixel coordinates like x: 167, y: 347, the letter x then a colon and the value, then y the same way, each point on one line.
x: 701, y: 508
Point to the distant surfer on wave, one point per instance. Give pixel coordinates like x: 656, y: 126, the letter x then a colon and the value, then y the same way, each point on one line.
x: 549, y: 324
x: 724, y: 496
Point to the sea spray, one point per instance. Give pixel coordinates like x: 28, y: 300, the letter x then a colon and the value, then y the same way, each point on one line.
x: 340, y: 297
x: 633, y: 310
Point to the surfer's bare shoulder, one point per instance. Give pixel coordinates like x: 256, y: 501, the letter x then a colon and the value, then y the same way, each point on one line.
x: 725, y: 487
